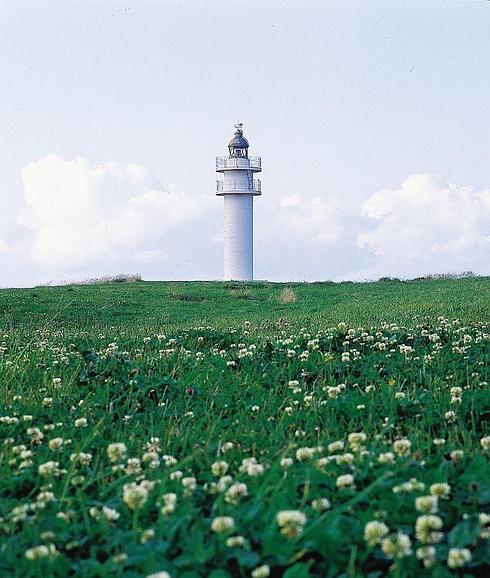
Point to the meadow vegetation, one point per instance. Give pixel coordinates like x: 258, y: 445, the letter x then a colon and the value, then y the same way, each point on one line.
x: 224, y: 430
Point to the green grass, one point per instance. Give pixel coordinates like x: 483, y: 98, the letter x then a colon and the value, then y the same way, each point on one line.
x: 183, y: 304
x: 245, y: 402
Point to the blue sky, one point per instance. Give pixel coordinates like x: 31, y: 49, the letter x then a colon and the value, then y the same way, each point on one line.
x: 341, y: 99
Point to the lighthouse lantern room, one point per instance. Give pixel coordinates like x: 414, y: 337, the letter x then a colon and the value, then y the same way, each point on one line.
x: 238, y: 187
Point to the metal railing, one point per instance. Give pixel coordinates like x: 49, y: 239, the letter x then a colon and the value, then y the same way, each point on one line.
x: 238, y: 186
x: 238, y: 162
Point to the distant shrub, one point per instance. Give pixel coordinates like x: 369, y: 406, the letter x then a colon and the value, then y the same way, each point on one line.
x: 287, y: 295
x: 119, y: 278
x: 448, y: 275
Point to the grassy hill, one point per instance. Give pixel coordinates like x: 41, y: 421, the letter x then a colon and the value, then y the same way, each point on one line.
x: 221, y: 430
x: 183, y: 304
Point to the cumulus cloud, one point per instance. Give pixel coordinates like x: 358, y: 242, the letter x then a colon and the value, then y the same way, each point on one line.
x: 426, y: 226
x: 83, y: 220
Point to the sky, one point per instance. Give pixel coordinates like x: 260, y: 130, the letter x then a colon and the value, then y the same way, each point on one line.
x: 371, y: 118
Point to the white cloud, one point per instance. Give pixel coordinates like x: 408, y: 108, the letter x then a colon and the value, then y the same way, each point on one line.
x: 82, y: 220
x: 426, y: 226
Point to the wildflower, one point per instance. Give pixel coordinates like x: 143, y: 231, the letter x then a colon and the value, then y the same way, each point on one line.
x: 147, y: 535
x: 48, y: 468
x: 457, y: 455
x: 251, y: 467
x: 386, y: 458
x: 484, y: 520
x: 47, y: 402
x: 336, y: 446
x: 398, y: 546
x: 235, y: 541
x: 450, y: 416
x: 355, y: 439
x: 116, y: 452
x: 81, y: 422
x: 402, y: 447
x: 458, y: 557
x: 291, y: 522
x: 320, y: 504
x: 133, y: 466
x: 42, y: 551
x: 235, y: 492
x: 135, y: 495
x: 345, y: 481
x: 120, y: 558
x: 222, y: 524
x: 189, y: 484
x: 261, y: 571
x: 427, y: 554
x: 374, y: 532
x: 219, y: 468
x: 427, y: 504
x: 170, y: 501
x: 441, y: 490
x: 425, y: 529
x: 55, y: 444
x: 161, y: 574
x: 304, y: 454
x: 485, y: 443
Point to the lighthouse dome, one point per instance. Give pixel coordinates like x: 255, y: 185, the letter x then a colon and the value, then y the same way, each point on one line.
x: 238, y: 141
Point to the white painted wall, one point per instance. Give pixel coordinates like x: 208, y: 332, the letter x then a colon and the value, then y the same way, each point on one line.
x: 238, y: 236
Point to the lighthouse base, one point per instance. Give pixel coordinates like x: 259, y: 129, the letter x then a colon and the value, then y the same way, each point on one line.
x: 238, y: 237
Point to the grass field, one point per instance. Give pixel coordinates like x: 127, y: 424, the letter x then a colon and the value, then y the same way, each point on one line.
x: 223, y: 430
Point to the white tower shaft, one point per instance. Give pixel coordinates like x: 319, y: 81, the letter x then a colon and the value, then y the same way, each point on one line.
x: 238, y: 237
x: 238, y: 187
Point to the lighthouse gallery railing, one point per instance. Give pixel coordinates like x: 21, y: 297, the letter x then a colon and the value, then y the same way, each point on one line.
x: 238, y: 163
x: 238, y: 186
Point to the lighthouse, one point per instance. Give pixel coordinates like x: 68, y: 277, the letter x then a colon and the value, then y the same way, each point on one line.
x: 238, y: 187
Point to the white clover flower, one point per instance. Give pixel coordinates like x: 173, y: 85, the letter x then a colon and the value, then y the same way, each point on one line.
x: 345, y: 481
x: 286, y: 463
x: 42, y: 551
x: 427, y: 554
x: 304, y: 454
x: 458, y: 557
x: 135, y: 495
x: 291, y: 522
x: 147, y: 535
x: 386, y: 458
x: 402, y: 447
x: 116, y: 452
x: 169, y: 503
x: 374, y: 532
x: 398, y: 546
x: 190, y: 484
x: 235, y: 492
x: 336, y: 446
x: 235, y: 541
x: 48, y: 468
x: 457, y: 455
x: 485, y: 443
x: 426, y: 529
x: 427, y: 504
x: 219, y: 468
x: 261, y: 571
x: 320, y: 504
x: 55, y: 444
x: 81, y: 422
x: 440, y: 490
x: 222, y: 524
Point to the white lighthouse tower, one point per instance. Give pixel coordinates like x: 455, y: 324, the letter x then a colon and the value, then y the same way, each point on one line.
x: 238, y: 188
